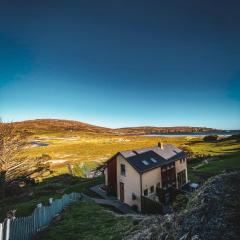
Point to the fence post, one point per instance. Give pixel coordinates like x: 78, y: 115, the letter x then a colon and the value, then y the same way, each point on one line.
x: 8, y: 230
x: 39, y: 205
x: 1, y: 231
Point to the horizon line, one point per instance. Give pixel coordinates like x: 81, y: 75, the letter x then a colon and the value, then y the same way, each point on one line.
x: 135, y: 126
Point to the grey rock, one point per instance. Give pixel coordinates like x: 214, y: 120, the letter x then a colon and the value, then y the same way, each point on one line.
x: 211, y: 214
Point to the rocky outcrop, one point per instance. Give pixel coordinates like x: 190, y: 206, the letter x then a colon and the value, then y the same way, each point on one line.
x: 213, y: 213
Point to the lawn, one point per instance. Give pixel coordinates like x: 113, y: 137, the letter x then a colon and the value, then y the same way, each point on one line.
x: 88, y: 221
x: 226, y: 154
x: 231, y: 162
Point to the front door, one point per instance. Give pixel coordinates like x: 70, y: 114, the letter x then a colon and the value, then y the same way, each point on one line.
x: 122, y: 191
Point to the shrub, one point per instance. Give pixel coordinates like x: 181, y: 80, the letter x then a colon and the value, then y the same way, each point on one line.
x: 180, y: 202
x: 210, y: 138
x: 81, y: 170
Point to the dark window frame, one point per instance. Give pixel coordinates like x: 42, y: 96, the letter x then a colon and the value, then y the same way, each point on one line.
x: 123, y: 169
x: 145, y: 192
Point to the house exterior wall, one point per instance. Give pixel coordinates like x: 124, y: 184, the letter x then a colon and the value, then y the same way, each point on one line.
x: 112, y: 176
x: 180, y: 167
x: 131, y: 182
x: 151, y: 178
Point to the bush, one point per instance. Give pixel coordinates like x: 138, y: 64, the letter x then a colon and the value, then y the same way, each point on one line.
x: 180, y: 202
x: 81, y: 170
x: 210, y: 138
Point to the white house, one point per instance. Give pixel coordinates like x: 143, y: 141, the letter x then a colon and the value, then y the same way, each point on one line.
x: 129, y: 175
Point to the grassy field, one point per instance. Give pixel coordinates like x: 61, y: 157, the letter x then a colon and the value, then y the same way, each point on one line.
x: 89, y: 221
x: 231, y: 162
x: 89, y: 148
x: 93, y: 149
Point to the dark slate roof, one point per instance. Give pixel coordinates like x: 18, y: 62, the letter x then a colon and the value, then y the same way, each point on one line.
x: 149, y: 158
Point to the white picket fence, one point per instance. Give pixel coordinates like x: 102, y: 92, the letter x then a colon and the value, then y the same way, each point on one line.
x: 24, y: 228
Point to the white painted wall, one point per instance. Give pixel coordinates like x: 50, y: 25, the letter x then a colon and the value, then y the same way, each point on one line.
x: 131, y: 183
x: 132, y: 180
x: 151, y: 178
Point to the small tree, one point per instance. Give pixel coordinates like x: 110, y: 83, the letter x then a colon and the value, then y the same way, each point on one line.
x: 12, y: 164
x: 180, y: 202
x: 81, y: 170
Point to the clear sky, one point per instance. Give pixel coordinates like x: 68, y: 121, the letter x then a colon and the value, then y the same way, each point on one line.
x: 121, y: 63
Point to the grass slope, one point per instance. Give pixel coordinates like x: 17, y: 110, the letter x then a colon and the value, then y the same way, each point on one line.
x: 26, y: 201
x: 88, y: 221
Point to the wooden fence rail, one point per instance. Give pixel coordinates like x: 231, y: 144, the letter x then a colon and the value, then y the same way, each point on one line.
x: 24, y: 228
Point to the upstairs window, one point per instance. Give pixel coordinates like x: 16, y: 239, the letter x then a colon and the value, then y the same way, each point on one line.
x: 123, y: 170
x: 152, y: 189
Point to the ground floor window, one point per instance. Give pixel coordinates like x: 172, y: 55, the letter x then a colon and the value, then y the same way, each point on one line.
x: 134, y: 197
x: 145, y: 192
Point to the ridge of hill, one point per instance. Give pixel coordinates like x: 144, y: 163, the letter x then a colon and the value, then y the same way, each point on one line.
x: 60, y: 125
x: 67, y: 125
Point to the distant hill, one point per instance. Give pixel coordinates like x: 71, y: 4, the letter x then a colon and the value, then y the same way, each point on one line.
x: 156, y: 130
x: 60, y: 125
x: 67, y: 125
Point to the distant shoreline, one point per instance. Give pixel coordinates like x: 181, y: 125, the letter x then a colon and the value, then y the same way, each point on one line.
x: 194, y: 134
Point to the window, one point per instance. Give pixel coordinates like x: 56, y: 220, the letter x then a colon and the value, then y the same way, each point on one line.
x: 145, y: 192
x: 158, y: 185
x: 134, y: 197
x: 153, y: 160
x: 181, y: 178
x: 145, y: 162
x: 123, y: 170
x: 152, y: 189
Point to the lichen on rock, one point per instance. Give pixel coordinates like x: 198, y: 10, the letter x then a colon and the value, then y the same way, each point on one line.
x: 213, y: 213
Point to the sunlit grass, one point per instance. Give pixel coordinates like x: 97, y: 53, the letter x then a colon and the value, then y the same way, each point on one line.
x: 89, y: 221
x: 93, y: 149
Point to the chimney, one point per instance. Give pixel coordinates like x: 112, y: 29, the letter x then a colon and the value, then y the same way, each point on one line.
x: 160, y: 145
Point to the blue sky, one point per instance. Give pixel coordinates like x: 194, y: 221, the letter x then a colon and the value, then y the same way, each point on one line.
x: 116, y: 63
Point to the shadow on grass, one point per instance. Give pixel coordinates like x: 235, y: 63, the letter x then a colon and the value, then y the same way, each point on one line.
x: 54, y: 187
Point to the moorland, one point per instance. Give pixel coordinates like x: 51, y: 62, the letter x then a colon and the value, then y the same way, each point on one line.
x: 67, y: 142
